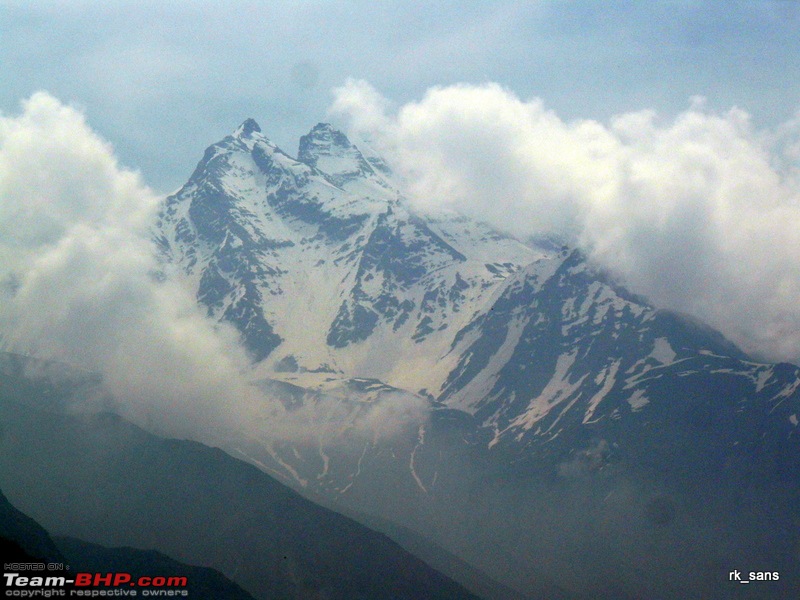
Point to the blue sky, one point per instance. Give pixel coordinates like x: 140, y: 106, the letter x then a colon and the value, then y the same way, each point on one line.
x: 162, y: 82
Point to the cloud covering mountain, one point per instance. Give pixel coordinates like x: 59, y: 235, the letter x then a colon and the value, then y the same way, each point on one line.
x: 81, y: 283
x: 700, y: 213
x: 81, y: 280
x: 358, y: 317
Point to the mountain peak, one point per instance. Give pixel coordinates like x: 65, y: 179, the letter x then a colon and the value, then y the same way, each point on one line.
x: 322, y: 128
x: 330, y: 151
x: 247, y: 128
x: 324, y: 140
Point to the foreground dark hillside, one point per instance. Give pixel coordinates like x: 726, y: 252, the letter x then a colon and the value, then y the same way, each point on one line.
x: 23, y: 540
x: 103, y: 480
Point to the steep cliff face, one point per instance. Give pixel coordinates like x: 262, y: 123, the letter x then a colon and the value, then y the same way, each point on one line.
x: 532, y: 362
x: 325, y: 269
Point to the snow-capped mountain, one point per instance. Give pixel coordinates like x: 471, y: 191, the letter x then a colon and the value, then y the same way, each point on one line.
x: 318, y: 268
x: 530, y: 359
x: 325, y: 269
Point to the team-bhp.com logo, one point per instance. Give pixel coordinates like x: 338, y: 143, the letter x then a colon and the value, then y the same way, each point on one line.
x: 92, y: 585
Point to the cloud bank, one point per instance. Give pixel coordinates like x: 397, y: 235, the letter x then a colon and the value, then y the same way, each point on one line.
x: 700, y: 213
x: 81, y: 285
x: 73, y: 232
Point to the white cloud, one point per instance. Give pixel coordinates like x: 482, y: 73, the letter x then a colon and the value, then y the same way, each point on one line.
x: 74, y: 238
x: 364, y: 106
x: 74, y: 228
x: 695, y: 213
x: 54, y: 173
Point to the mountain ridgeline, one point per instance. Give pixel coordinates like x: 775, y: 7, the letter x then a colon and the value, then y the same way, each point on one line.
x: 561, y: 405
x: 500, y: 405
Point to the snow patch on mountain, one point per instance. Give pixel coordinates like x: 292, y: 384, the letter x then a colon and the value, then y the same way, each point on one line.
x: 663, y: 352
x: 607, y: 377
x: 638, y: 400
x: 557, y: 390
